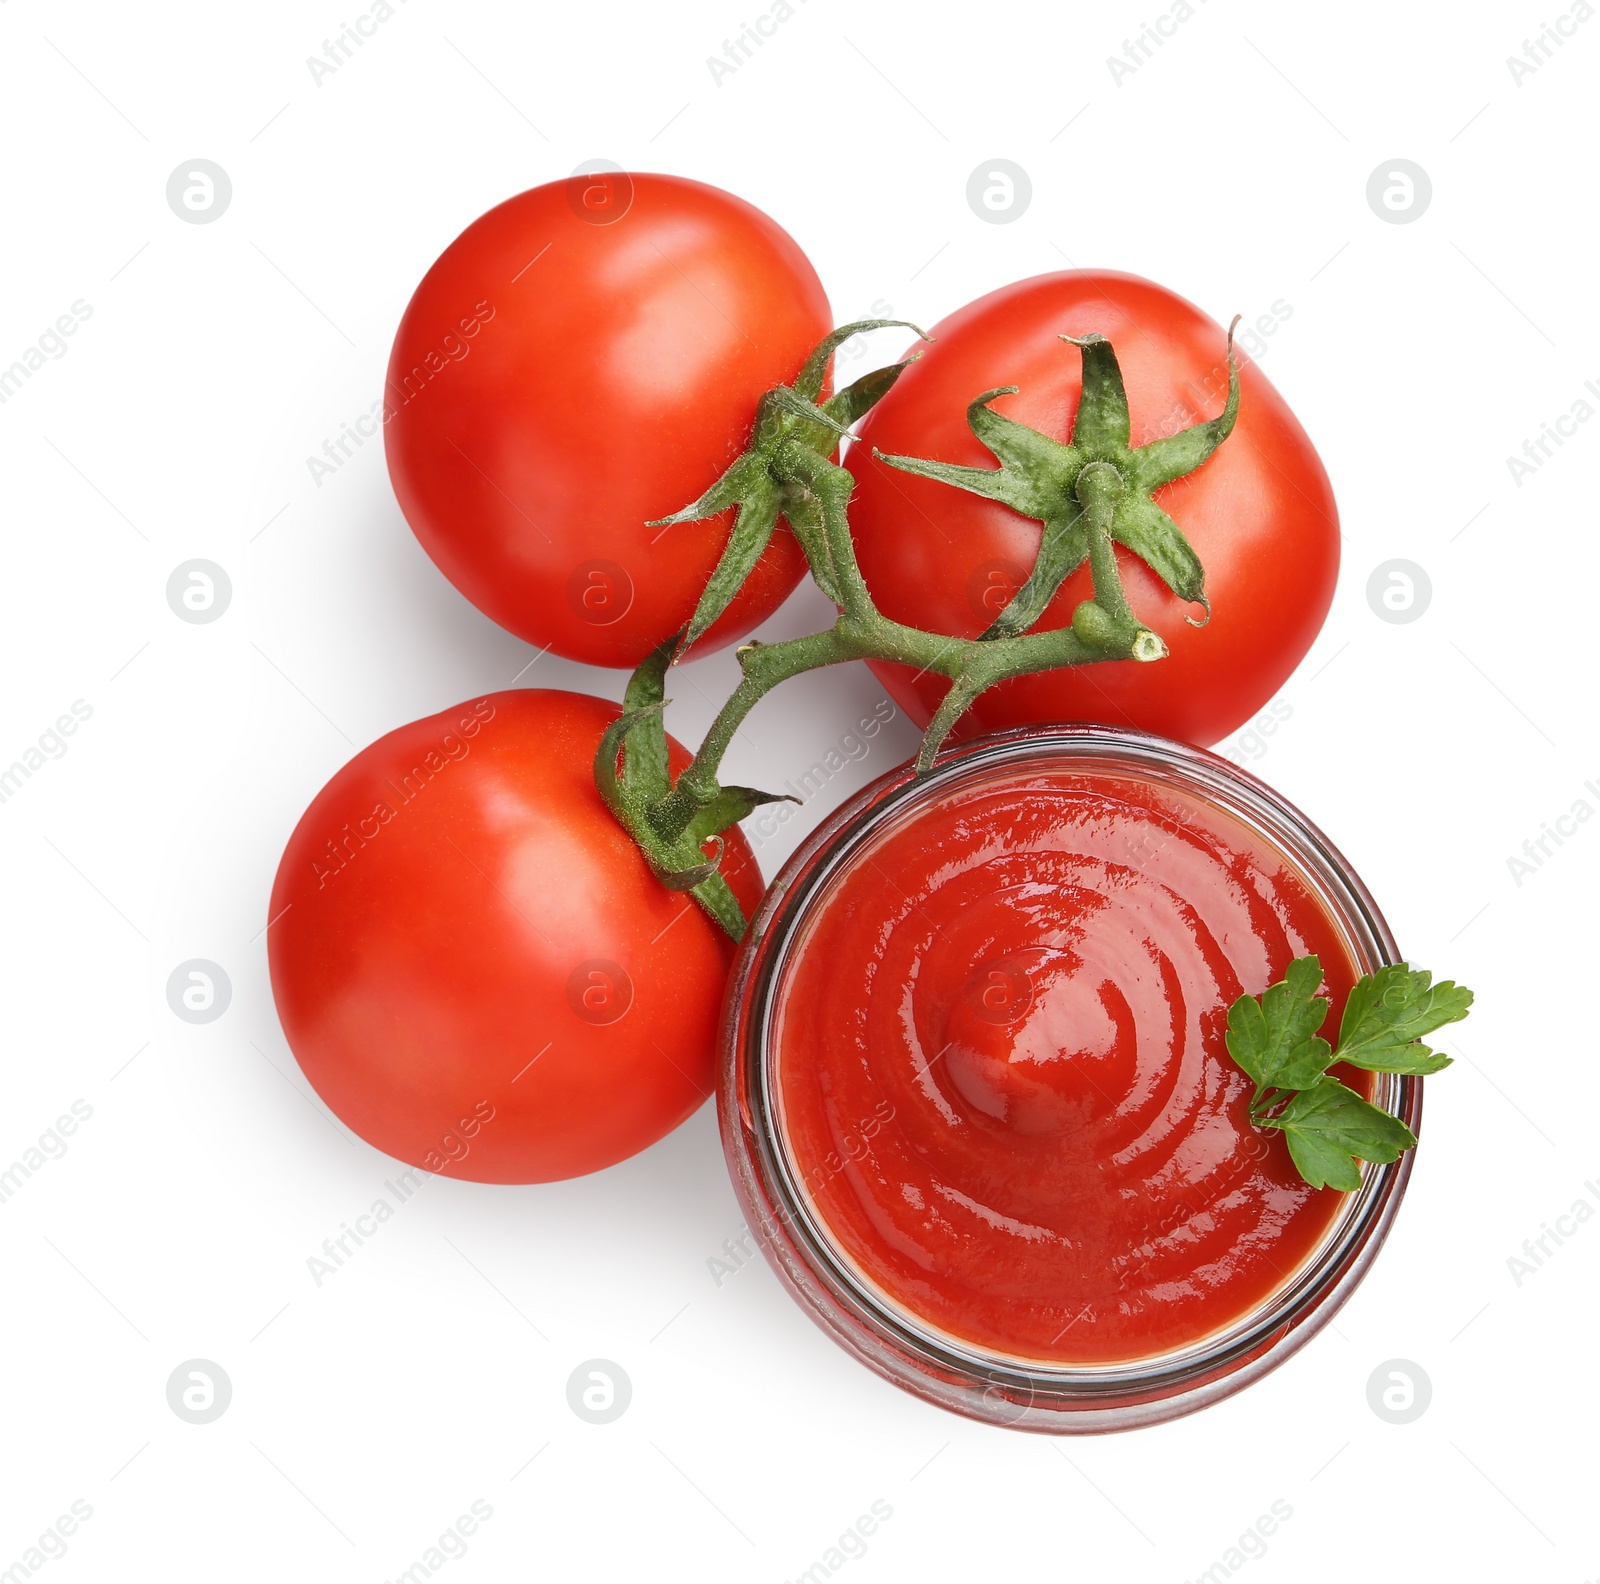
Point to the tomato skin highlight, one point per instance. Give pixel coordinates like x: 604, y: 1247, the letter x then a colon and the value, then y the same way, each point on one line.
x: 441, y: 914
x: 556, y: 383
x: 1260, y: 512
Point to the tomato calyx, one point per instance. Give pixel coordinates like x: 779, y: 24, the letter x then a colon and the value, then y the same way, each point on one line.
x: 1091, y: 494
x: 1043, y: 478
x: 774, y: 475
x: 633, y: 776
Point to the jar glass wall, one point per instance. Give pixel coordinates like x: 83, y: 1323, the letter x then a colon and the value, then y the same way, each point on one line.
x: 832, y: 1280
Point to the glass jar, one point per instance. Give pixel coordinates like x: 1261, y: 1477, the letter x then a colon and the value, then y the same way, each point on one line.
x: 842, y: 1298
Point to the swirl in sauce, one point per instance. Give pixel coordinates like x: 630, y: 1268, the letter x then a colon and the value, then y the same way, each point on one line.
x: 1001, y: 1072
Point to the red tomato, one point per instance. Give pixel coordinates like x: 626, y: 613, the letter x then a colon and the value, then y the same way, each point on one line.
x: 1260, y: 513
x: 582, y: 359
x: 473, y: 964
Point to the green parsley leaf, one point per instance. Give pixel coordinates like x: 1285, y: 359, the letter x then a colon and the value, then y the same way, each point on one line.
x: 1274, y: 1039
x: 1328, y: 1126
x: 1388, y: 1013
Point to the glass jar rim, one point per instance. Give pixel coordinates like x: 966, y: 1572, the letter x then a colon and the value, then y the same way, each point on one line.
x: 1002, y: 1388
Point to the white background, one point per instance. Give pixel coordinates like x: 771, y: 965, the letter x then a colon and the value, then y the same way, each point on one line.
x: 369, y: 1413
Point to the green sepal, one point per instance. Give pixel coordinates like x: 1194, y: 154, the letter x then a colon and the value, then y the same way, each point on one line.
x: 740, y: 477
x: 623, y: 795
x: 637, y: 739
x: 1101, y: 428
x: 859, y: 397
x: 813, y: 485
x: 709, y: 889
x: 804, y: 514
x: 716, y: 897
x: 1140, y: 525
x: 1062, y: 550
x: 1164, y: 461
x: 644, y: 739
x: 1038, y: 476
x: 1034, y: 473
x: 995, y: 484
x: 731, y: 804
x: 784, y: 400
x: 691, y: 875
x: 789, y: 423
x: 808, y: 382
x: 1029, y: 454
x: 752, y: 531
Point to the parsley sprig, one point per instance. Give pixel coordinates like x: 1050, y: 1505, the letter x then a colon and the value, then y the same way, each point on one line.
x: 1275, y: 1039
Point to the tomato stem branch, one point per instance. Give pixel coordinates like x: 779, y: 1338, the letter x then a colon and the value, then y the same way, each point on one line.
x: 1091, y: 494
x: 816, y: 489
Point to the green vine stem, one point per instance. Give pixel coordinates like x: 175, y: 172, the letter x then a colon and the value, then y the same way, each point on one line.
x: 1090, y: 494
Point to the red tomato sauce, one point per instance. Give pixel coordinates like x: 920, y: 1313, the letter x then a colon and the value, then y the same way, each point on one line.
x: 1001, y: 1073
